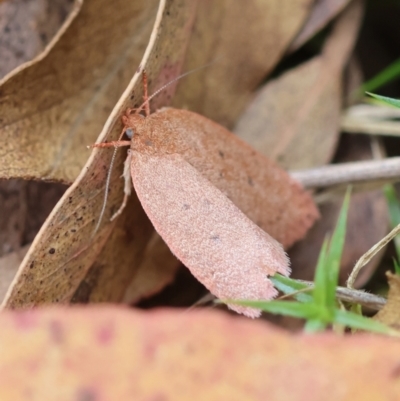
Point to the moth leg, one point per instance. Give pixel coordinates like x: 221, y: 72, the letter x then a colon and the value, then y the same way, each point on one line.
x: 128, y: 185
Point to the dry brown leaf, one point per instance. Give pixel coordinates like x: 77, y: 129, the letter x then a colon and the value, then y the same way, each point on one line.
x: 64, y: 250
x: 322, y: 13
x: 390, y: 314
x: 54, y: 105
x: 66, y: 354
x: 26, y: 27
x: 244, y: 44
x: 295, y: 118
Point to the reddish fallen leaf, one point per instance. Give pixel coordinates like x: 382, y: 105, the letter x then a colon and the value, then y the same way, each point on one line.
x: 118, y: 354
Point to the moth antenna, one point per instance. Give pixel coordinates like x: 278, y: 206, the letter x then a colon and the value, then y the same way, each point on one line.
x: 108, y: 180
x: 147, y: 101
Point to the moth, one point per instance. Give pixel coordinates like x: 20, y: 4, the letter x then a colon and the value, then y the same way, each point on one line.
x: 223, y: 209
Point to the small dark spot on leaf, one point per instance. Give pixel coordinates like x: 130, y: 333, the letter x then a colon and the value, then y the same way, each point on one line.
x: 105, y: 335
x: 86, y: 394
x: 70, y: 199
x: 395, y: 373
x: 221, y: 153
x: 32, y: 265
x: 250, y: 181
x: 215, y: 237
x: 186, y: 206
x: 56, y: 332
x: 51, y: 251
x: 73, y: 230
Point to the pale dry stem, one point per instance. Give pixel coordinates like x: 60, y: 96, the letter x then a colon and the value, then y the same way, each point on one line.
x: 370, y: 254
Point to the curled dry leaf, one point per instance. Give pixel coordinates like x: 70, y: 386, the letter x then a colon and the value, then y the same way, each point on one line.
x: 322, y: 13
x: 54, y: 105
x: 295, y: 118
x: 25, y: 29
x: 64, y: 250
x: 243, y: 44
x: 198, y: 355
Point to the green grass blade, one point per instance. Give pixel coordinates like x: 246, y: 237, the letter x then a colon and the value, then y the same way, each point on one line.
x: 289, y: 286
x: 396, y: 266
x: 386, y: 100
x: 319, y: 292
x: 287, y: 308
x: 390, y: 73
x: 355, y: 321
x: 335, y: 252
x: 394, y: 213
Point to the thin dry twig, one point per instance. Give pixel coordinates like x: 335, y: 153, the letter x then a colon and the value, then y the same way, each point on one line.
x: 349, y: 173
x: 372, y: 301
x: 370, y: 254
